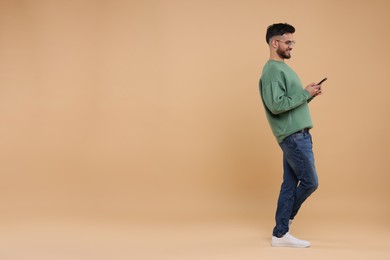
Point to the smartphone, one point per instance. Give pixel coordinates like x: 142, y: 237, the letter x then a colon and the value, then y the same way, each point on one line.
x: 319, y: 83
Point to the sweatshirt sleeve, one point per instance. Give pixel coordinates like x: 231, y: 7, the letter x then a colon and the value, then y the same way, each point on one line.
x: 278, y: 101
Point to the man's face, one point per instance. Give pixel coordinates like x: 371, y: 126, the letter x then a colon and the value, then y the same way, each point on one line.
x: 285, y: 44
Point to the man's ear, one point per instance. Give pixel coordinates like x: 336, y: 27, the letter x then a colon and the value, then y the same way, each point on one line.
x: 274, y: 43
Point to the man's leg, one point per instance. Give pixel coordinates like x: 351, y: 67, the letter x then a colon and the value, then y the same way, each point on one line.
x: 302, y: 162
x: 286, y: 200
x: 299, y: 160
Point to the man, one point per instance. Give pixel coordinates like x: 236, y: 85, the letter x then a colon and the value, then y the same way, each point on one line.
x: 286, y: 106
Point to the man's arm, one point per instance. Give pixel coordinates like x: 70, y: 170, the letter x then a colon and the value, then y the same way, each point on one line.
x: 277, y: 101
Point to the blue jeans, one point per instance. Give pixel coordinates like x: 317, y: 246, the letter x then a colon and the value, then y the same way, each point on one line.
x: 299, y: 179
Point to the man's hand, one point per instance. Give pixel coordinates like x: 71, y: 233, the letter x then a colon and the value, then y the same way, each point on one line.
x: 314, y: 89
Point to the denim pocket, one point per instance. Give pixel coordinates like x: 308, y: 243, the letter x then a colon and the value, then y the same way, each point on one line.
x: 304, y: 142
x: 298, y: 136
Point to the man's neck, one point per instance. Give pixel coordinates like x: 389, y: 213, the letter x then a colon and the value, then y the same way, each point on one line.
x: 276, y: 57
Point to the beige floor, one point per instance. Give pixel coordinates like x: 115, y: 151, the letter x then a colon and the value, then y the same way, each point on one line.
x: 83, y: 239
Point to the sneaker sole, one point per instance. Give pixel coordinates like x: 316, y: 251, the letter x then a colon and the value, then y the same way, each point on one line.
x: 289, y: 245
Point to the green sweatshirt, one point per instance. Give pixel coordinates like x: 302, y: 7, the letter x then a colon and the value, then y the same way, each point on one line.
x: 285, y: 101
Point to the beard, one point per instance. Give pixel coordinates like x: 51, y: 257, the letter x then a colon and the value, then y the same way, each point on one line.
x: 283, y: 53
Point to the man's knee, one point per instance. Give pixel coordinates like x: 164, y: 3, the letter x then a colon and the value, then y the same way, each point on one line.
x: 313, y: 186
x: 310, y: 186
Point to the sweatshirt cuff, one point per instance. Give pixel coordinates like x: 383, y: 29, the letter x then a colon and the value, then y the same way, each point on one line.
x: 306, y: 94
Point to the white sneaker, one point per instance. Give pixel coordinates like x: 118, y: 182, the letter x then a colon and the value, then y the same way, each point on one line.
x: 289, y: 241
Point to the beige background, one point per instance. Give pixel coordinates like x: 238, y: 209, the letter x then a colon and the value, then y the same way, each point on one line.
x: 135, y: 128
